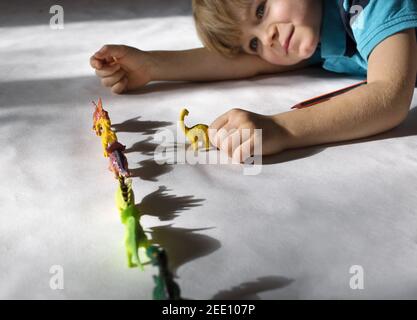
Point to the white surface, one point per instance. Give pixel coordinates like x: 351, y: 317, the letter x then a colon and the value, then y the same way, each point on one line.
x: 291, y: 232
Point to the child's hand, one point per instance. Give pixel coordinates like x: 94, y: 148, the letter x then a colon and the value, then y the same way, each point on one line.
x: 274, y: 136
x: 122, y: 68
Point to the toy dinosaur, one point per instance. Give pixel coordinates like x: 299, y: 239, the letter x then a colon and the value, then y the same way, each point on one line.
x: 136, y: 241
x: 135, y: 237
x: 99, y: 113
x: 108, y: 137
x: 165, y: 286
x: 102, y: 127
x: 118, y: 161
x: 124, y: 194
x: 196, y: 134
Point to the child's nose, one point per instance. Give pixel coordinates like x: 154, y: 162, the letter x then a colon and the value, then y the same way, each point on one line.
x: 270, y: 35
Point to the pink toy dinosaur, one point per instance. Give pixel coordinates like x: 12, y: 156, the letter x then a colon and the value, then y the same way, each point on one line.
x: 118, y: 161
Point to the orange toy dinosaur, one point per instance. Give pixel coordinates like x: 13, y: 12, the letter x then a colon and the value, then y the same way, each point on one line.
x: 102, y: 127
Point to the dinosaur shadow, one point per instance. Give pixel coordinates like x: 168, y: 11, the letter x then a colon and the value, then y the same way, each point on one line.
x: 407, y: 129
x: 145, y: 147
x: 148, y: 148
x: 250, y: 290
x: 183, y: 245
x: 136, y: 126
x: 150, y: 170
x: 166, y: 207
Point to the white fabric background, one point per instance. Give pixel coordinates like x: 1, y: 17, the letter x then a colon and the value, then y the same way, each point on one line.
x: 291, y: 232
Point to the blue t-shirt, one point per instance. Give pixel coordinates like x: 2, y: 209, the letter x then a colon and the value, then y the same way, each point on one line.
x: 351, y: 29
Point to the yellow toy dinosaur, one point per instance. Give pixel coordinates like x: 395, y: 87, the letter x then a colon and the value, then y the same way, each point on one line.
x: 108, y: 137
x: 102, y: 127
x: 195, y: 134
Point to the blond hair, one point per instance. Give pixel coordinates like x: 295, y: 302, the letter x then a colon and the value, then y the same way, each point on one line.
x: 218, y: 25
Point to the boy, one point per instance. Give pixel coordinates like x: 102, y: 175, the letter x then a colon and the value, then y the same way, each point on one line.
x: 245, y: 38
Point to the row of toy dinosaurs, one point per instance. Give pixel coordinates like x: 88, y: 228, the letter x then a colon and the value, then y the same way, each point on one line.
x: 136, y: 241
x: 114, y: 150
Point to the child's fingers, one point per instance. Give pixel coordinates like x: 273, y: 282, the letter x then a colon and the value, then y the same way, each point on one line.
x: 219, y: 136
x: 109, y: 52
x: 220, y: 140
x: 244, y: 151
x: 234, y: 140
x: 219, y: 122
x: 96, y: 63
x: 224, y: 121
x: 107, y: 55
x: 120, y: 87
x: 107, y: 71
x: 215, y: 130
x: 113, y: 79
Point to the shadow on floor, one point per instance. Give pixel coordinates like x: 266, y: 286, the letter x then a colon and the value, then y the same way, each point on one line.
x: 26, y: 13
x: 292, y: 155
x: 150, y: 170
x: 42, y: 93
x: 183, y: 245
x: 250, y: 290
x: 137, y: 126
x: 145, y: 147
x: 287, y: 79
x: 166, y: 206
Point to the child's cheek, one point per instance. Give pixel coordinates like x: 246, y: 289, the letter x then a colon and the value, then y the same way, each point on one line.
x: 280, y: 11
x: 306, y: 44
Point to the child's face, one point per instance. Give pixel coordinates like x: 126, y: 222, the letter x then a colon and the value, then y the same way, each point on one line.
x: 282, y: 32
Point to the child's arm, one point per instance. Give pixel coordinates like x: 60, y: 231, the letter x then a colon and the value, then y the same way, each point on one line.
x: 379, y: 106
x: 204, y: 65
x: 124, y: 68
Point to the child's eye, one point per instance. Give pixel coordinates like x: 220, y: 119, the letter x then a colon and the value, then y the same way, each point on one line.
x: 254, y: 45
x: 260, y: 11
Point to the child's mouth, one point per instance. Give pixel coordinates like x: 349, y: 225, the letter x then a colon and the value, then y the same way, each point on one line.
x: 287, y: 42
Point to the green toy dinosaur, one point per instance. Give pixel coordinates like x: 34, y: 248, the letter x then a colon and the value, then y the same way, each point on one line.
x: 135, y: 237
x: 165, y: 286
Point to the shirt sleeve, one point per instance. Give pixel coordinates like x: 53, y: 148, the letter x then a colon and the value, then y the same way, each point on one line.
x: 372, y: 21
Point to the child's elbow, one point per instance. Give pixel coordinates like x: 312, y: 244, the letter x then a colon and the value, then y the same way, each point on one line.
x: 401, y: 109
x: 402, y: 116
x: 397, y: 98
x: 405, y: 102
